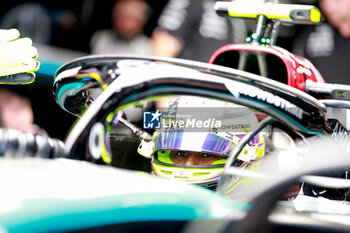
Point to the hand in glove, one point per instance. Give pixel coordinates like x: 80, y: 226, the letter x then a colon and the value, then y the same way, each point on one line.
x: 17, y: 58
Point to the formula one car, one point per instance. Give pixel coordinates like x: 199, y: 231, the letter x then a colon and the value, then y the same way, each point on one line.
x: 110, y: 94
x: 60, y: 195
x: 95, y: 198
x: 147, y: 81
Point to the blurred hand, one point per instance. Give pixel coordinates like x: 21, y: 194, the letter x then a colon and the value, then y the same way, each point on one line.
x: 165, y: 44
x: 17, y: 58
x: 337, y: 13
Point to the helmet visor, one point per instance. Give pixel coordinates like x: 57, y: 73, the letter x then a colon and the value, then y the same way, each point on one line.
x: 198, y: 141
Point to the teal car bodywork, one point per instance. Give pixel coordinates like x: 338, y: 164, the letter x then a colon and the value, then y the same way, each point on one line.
x: 65, y: 195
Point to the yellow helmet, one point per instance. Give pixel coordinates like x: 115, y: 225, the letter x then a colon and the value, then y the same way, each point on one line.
x: 211, y: 127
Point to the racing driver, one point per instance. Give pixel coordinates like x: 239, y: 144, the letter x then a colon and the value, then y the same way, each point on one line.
x: 196, y: 137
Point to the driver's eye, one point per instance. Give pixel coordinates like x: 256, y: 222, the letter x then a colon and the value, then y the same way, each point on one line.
x: 181, y: 154
x: 206, y: 155
x: 251, y: 142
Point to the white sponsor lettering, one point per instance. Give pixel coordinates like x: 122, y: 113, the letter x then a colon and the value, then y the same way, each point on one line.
x: 341, y: 135
x: 272, y: 99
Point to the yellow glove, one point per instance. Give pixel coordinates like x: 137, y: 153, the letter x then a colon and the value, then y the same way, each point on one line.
x: 17, y: 58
